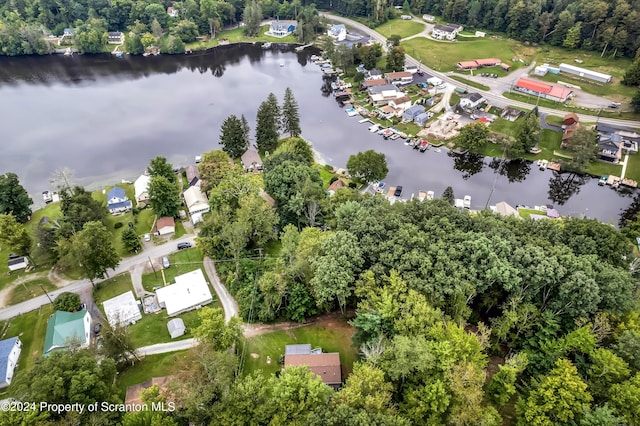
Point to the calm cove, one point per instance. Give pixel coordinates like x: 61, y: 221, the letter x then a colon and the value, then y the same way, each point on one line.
x: 105, y: 118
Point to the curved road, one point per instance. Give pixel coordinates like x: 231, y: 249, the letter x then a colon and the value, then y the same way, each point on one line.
x: 83, y: 285
x: 492, y: 97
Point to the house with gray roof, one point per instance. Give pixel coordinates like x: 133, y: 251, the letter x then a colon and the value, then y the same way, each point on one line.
x: 282, y: 28
x: 117, y: 201
x: 412, y: 112
x: 9, y: 354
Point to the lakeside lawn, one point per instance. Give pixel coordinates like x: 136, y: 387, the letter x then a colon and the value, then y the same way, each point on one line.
x: 400, y: 27
x: 336, y: 338
x: 152, y: 328
x: 150, y: 366
x: 633, y: 168
x: 31, y: 328
x: 237, y: 35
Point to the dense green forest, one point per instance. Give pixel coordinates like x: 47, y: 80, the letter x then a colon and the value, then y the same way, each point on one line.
x: 588, y: 24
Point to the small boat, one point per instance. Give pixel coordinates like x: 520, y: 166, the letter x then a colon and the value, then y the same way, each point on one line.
x: 430, y: 195
x: 603, y: 180
x: 374, y: 128
x: 380, y: 186
x: 408, y: 142
x: 351, y: 112
x: 364, y: 120
x: 266, y: 45
x: 394, y: 136
x: 543, y: 165
x: 466, y: 201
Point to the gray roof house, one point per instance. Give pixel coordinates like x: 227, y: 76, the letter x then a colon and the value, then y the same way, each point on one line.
x: 471, y: 101
x: 193, y: 175
x: 282, y: 28
x: 420, y: 119
x: 412, y: 112
x: 9, y: 353
x: 251, y: 161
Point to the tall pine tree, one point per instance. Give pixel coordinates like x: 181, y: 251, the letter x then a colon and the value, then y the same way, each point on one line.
x: 233, y: 137
x: 267, y: 126
x: 290, y: 114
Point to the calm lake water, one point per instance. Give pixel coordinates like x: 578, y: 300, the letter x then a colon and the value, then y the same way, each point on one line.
x: 105, y: 118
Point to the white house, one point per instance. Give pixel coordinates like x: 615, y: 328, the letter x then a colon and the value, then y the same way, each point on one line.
x: 189, y: 292
x: 445, y: 32
x: 141, y: 188
x: 115, y: 37
x: 337, y: 32
x: 282, y: 28
x: 165, y: 225
x: 172, y: 12
x: 400, y: 104
x: 122, y: 310
x: 117, y: 201
x: 9, y: 353
x: 65, y: 327
x: 381, y: 95
x: 428, y: 18
x: 471, y: 101
x: 401, y: 77
x: 196, y: 203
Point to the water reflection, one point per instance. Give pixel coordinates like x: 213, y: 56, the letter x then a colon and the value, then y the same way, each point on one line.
x: 469, y: 163
x: 563, y: 186
x: 514, y: 170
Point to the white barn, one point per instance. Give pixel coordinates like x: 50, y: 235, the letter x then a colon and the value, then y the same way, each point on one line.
x: 122, y: 310
x: 189, y: 292
x: 585, y: 73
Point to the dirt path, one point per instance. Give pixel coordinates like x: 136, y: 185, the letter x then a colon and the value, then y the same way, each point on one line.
x: 4, y: 293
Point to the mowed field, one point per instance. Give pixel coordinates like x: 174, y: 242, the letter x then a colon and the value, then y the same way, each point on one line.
x: 400, y: 27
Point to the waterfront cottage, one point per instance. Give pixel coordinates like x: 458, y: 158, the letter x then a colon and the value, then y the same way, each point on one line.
x: 282, y: 28
x: 412, y: 112
x: 9, y: 354
x: 115, y: 37
x: 337, y: 32
x: 444, y: 32
x: 251, y: 161
x: 373, y: 75
x: 117, y: 201
x: 400, y: 105
x: 381, y: 95
x: 421, y: 119
x: 570, y: 124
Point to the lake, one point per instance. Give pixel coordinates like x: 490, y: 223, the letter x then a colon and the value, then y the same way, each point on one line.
x: 105, y: 118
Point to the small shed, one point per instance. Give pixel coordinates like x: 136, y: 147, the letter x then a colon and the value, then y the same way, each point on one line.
x: 176, y: 327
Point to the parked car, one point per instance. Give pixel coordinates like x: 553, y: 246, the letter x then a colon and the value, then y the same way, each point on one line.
x: 97, y: 327
x: 165, y: 262
x: 398, y: 191
x: 147, y: 237
x: 182, y: 246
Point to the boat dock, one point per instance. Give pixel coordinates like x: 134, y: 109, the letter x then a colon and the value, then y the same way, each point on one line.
x: 301, y: 48
x: 553, y: 166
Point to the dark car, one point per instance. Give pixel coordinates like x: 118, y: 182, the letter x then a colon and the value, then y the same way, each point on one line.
x: 97, y: 327
x: 398, y: 191
x: 182, y: 246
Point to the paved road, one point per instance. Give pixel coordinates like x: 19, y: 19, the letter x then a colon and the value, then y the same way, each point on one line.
x: 161, y: 348
x: 229, y: 304
x: 496, y: 99
x: 80, y: 286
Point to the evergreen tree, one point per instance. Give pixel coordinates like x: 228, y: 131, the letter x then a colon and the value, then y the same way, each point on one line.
x: 632, y: 76
x: 246, y: 130
x: 290, y: 114
x: 232, y: 137
x: 448, y: 196
x: 635, y: 102
x: 267, y: 128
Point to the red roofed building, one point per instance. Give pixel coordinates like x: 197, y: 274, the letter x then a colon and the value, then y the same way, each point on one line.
x: 478, y: 63
x: 543, y: 90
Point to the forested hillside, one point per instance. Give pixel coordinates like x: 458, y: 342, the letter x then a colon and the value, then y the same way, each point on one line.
x: 589, y: 24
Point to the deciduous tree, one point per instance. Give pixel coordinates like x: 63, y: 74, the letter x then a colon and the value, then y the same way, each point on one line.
x: 131, y: 240
x: 473, y: 136
x: 92, y: 251
x: 369, y: 166
x: 164, y: 197
x: 395, y: 59
x: 159, y: 166
x: 66, y: 301
x: 213, y: 167
x: 14, y: 199
x: 79, y: 207
x: 214, y: 332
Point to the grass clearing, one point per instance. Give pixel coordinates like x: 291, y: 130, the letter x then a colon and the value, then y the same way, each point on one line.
x: 29, y: 290
x: 150, y: 366
x: 554, y: 55
x: 329, y: 338
x: 553, y: 120
x: 152, y: 328
x: 470, y: 83
x: 112, y: 287
x: 609, y: 89
x: 526, y: 213
x: 633, y: 168
x: 443, y: 56
x: 181, y: 262
x: 601, y: 168
x: 31, y: 328
x: 400, y: 27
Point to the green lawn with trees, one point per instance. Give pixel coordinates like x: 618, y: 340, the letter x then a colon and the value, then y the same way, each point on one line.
x: 28, y: 290
x: 151, y: 366
x: 152, y: 328
x: 401, y: 27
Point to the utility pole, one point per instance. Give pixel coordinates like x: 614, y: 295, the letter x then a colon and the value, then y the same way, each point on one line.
x: 47, y: 294
x: 152, y: 267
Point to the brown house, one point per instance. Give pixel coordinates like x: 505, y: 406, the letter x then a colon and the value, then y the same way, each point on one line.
x: 325, y: 366
x: 570, y: 123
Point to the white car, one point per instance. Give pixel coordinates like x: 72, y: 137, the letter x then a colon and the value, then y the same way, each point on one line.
x: 147, y: 237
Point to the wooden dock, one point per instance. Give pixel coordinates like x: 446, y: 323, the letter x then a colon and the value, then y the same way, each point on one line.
x: 553, y: 166
x: 629, y: 182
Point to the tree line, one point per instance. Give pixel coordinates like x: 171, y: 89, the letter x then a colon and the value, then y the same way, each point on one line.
x: 26, y: 25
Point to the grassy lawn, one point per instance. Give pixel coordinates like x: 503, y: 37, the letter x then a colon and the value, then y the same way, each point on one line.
x: 111, y: 220
x: 570, y: 108
x: 112, y: 288
x: 443, y: 56
x: 325, y: 175
x: 633, y: 168
x: 554, y: 55
x: 272, y: 344
x: 613, y: 88
x: 151, y: 366
x: 237, y: 35
x: 601, y: 168
x: 144, y: 221
x: 29, y: 290
x: 181, y: 262
x: 31, y: 328
x: 526, y: 213
x: 553, y: 120
x: 505, y: 127
x: 152, y: 328
x: 400, y: 27
x: 470, y: 83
